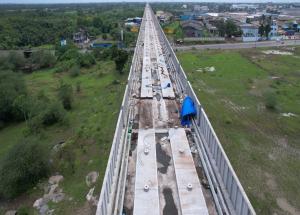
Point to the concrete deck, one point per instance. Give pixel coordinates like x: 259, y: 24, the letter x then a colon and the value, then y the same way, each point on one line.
x: 191, y: 201
x: 146, y: 202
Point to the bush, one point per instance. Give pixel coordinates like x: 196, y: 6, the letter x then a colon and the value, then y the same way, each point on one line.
x: 120, y: 60
x: 15, y: 61
x: 12, y: 85
x: 23, y: 166
x: 75, y: 71
x: 270, y: 100
x: 43, y: 59
x: 78, y: 87
x: 69, y: 54
x: 86, y: 60
x: 65, y: 94
x: 53, y: 114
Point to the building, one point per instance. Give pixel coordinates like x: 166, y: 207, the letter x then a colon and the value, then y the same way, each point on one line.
x: 250, y: 32
x: 81, y: 37
x: 63, y: 42
x: 136, y: 21
x: 163, y: 16
x: 244, y: 6
x: 192, y: 28
x: 274, y: 29
x: 201, y: 9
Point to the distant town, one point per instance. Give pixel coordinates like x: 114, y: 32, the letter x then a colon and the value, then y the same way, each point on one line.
x: 227, y: 22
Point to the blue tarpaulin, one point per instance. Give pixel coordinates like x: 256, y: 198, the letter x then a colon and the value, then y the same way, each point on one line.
x: 188, y: 110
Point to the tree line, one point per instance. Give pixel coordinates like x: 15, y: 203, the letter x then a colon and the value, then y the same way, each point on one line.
x: 36, y: 27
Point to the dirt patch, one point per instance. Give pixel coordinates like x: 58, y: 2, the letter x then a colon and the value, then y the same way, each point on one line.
x: 277, y: 52
x: 163, y: 158
x: 286, y: 206
x: 173, y: 113
x: 271, y: 183
x: 130, y: 180
x: 145, y: 114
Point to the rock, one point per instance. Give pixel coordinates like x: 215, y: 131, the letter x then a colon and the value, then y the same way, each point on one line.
x: 58, y: 197
x: 91, y: 178
x: 44, y: 210
x: 91, y: 198
x: 54, y: 189
x: 50, y: 212
x: 55, y: 194
x: 11, y: 212
x: 55, y: 179
x: 38, y: 203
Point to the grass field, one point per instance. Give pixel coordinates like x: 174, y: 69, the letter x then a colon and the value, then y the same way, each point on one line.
x: 262, y: 144
x: 87, y: 134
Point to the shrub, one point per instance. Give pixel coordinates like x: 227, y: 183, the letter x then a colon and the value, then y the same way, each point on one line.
x: 12, y: 85
x: 15, y: 61
x: 65, y: 94
x: 75, y: 71
x: 23, y: 166
x: 270, y: 100
x: 43, y: 59
x: 78, y: 87
x: 120, y: 59
x: 69, y: 54
x: 86, y: 60
x: 53, y: 114
x: 104, y: 36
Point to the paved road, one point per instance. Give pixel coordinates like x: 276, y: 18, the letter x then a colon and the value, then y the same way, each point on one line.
x: 238, y: 45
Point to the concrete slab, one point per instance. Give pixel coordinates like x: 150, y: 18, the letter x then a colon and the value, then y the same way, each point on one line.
x: 168, y: 92
x: 146, y: 202
x: 192, y: 201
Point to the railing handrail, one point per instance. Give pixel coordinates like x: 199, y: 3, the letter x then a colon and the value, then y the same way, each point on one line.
x: 197, y: 102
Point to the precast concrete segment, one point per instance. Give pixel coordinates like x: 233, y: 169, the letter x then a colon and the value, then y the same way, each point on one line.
x: 165, y: 81
x: 146, y: 197
x: 146, y: 86
x: 189, y: 188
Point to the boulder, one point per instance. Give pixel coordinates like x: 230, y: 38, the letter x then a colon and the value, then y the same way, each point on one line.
x: 55, y: 179
x: 91, y: 178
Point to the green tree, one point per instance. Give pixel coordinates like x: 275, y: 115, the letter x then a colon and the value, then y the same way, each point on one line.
x: 232, y: 29
x: 12, y: 85
x: 261, y: 30
x: 104, y: 36
x: 270, y: 100
x: 221, y: 28
x: 97, y: 22
x: 267, y: 30
x: 120, y: 60
x: 22, y: 167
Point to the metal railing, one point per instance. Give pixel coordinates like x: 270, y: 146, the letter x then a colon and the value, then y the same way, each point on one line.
x: 232, y: 198
x: 111, y: 180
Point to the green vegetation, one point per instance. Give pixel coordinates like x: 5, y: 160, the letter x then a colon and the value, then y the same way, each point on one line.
x: 22, y: 167
x: 175, y: 29
x: 86, y: 136
x: 43, y: 26
x: 58, y: 110
x: 246, y: 98
x: 228, y: 28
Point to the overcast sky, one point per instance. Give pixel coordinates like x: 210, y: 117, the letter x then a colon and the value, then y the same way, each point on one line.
x: 87, y: 1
